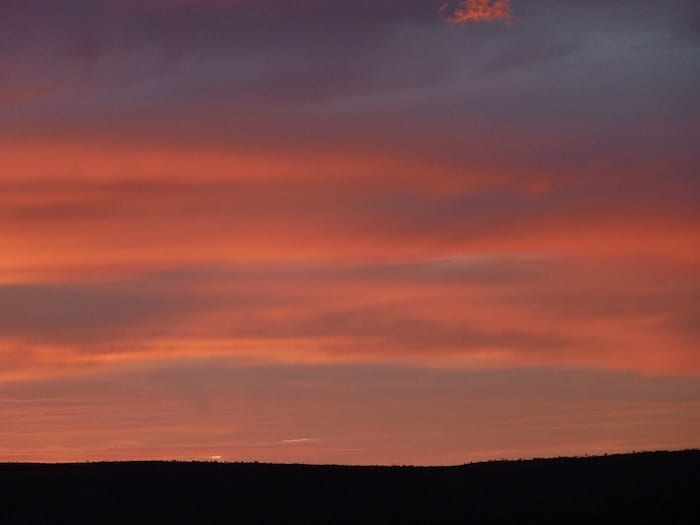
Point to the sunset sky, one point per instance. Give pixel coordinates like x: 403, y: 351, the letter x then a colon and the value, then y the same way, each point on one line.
x: 348, y: 231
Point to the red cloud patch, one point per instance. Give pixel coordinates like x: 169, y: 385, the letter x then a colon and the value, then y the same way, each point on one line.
x: 478, y: 11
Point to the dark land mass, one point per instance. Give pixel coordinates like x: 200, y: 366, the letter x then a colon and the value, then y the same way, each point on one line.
x: 659, y: 488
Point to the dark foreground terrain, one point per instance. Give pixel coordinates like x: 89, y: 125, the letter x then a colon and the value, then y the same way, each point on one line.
x: 654, y: 488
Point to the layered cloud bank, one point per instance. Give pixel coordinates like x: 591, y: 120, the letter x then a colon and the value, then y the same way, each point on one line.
x: 344, y: 185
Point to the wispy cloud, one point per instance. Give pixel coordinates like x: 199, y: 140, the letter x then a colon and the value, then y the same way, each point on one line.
x: 298, y: 441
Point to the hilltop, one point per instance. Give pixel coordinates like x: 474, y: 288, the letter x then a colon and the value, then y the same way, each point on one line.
x: 653, y: 488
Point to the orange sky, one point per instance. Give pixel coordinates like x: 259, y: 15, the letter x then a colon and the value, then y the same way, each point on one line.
x: 459, y: 241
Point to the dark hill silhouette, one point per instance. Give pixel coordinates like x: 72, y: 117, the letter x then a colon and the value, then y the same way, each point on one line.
x: 645, y: 488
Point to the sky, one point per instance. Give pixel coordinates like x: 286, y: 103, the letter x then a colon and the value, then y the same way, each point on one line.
x: 348, y: 231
